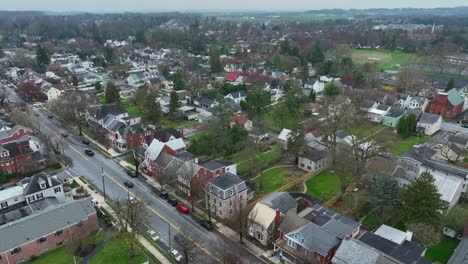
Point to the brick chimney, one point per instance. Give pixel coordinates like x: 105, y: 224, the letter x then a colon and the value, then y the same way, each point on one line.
x: 313, y: 218
x: 277, y: 218
x: 49, y: 180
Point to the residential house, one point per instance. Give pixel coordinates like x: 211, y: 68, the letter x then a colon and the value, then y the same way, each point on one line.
x: 207, y: 103
x: 156, y: 148
x: 417, y: 102
x: 448, y: 105
x: 97, y: 113
x: 231, y: 77
x: 237, y: 97
x: 283, y: 138
x: 242, y: 121
x: 376, y: 114
x: 460, y: 255
x: 53, y: 93
x: 265, y: 217
x: 316, y: 240
x: 313, y: 160
x: 226, y: 195
x: 429, y: 123
x: 48, y: 227
x: 460, y: 140
x: 164, y: 102
x: 367, y: 105
x: 393, y: 116
x: 21, y: 156
x: 136, y: 79
x: 13, y: 134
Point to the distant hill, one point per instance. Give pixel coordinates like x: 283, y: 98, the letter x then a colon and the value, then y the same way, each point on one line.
x: 396, y: 11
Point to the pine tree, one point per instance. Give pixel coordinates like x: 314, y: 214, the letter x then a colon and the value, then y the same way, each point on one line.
x: 215, y: 62
x: 312, y: 96
x: 42, y: 57
x: 112, y: 93
x: 173, y: 104
x: 97, y: 86
x: 450, y: 85
x: 421, y: 200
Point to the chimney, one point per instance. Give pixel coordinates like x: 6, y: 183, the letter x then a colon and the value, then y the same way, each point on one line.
x: 313, y: 217
x: 409, y: 235
x: 277, y: 218
x: 49, y: 180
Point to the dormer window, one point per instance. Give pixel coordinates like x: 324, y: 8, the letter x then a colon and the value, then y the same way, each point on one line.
x: 43, y: 185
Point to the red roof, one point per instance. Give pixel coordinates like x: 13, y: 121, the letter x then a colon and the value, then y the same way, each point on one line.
x: 239, y: 119
x: 232, y: 76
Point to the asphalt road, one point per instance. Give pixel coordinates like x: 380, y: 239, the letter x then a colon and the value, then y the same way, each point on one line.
x: 450, y: 126
x: 162, y: 217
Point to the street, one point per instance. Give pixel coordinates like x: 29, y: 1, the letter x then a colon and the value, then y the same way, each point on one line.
x: 163, y: 217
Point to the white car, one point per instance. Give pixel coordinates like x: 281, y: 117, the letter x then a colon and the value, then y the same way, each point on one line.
x: 152, y: 234
x: 175, y: 254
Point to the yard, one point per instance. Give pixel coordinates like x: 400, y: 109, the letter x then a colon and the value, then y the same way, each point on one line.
x: 400, y: 146
x: 115, y: 251
x: 367, y: 129
x: 276, y: 177
x: 372, y: 222
x: 354, y: 204
x: 441, y: 252
x: 274, y: 122
x: 324, y: 185
x: 386, y: 60
x: 244, y: 162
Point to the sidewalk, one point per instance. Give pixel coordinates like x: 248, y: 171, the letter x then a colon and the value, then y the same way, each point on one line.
x: 226, y: 231
x: 141, y: 239
x: 109, y: 151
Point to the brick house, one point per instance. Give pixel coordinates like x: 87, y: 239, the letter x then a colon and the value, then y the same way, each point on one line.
x: 21, y: 157
x: 226, y: 194
x: 14, y: 133
x: 448, y: 105
x: 47, y: 229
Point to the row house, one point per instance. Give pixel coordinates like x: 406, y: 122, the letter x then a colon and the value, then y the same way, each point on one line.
x: 22, y: 156
x: 8, y: 134
x: 156, y: 148
x: 97, y: 113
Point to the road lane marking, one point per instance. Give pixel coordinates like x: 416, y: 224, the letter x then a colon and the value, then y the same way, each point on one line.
x: 163, y: 218
x: 66, y: 143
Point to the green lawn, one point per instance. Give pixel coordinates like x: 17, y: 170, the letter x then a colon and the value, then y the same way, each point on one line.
x: 366, y: 129
x: 272, y: 121
x: 406, y: 144
x: 441, y: 252
x: 324, y: 185
x: 386, y: 60
x: 275, y: 178
x: 180, y: 124
x: 265, y: 158
x: 371, y: 222
x: 115, y: 251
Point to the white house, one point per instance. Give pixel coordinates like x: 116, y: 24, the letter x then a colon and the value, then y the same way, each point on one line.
x: 376, y: 114
x: 53, y: 93
x: 237, y: 96
x: 429, y: 123
x: 313, y: 160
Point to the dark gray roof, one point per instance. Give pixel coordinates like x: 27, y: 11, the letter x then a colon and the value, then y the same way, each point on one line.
x: 33, y: 183
x: 165, y: 135
x: 367, y: 104
x: 100, y: 111
x: 461, y: 139
x: 428, y: 118
x: 280, y: 200
x: 206, y: 101
x: 212, y: 165
x: 185, y: 156
x: 407, y: 252
x: 238, y: 94
x: 460, y: 255
x: 226, y: 181
x: 291, y: 222
x: 314, y: 154
x: 383, y: 107
x: 43, y: 222
x: 164, y: 160
x: 317, y: 240
x: 415, y: 111
x: 341, y: 134
x: 418, y: 99
x: 395, y: 112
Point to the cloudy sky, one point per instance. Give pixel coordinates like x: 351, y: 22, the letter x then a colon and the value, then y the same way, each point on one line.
x: 191, y: 5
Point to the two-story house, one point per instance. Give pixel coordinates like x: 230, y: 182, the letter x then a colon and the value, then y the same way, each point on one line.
x: 393, y: 116
x: 237, y: 97
x: 97, y: 113
x: 376, y: 114
x: 226, y: 195
x: 21, y: 156
x: 429, y: 123
x: 313, y: 159
x: 448, y: 105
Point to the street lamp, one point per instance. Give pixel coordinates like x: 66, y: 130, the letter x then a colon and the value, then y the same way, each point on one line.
x: 103, y: 184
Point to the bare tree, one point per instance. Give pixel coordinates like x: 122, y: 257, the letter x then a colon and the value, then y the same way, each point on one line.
x: 130, y: 215
x: 187, y: 174
x: 70, y: 108
x: 240, y: 213
x: 225, y: 252
x: 411, y: 81
x: 23, y: 118
x: 452, y: 153
x: 186, y: 248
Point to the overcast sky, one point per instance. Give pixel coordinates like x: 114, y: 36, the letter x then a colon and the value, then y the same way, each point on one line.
x: 225, y: 5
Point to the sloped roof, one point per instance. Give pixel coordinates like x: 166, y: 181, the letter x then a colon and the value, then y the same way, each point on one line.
x: 454, y: 97
x: 262, y: 215
x: 284, y: 135
x: 176, y: 144
x: 239, y: 119
x: 154, y: 149
x: 428, y: 118
x: 353, y: 251
x: 314, y: 154
x: 226, y: 181
x: 316, y: 239
x: 100, y: 111
x: 280, y: 200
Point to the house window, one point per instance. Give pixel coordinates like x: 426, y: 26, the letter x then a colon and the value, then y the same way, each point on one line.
x: 230, y: 202
x: 16, y: 251
x: 58, y: 233
x: 259, y: 236
x: 40, y: 196
x: 231, y: 192
x: 43, y: 185
x: 210, y: 188
x: 41, y: 240
x: 4, y: 205
x: 56, y: 190
x: 219, y: 193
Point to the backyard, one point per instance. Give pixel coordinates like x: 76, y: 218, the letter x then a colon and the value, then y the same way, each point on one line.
x: 115, y: 251
x: 386, y: 60
x: 245, y: 160
x: 441, y: 252
x: 276, y: 177
x: 400, y: 146
x: 324, y: 185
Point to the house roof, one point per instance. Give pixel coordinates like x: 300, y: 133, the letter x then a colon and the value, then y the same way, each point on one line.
x: 353, y: 251
x: 391, y: 234
x: 164, y: 160
x: 291, y: 221
x: 238, y: 94
x: 415, y: 111
x: 188, y: 169
x: 383, y: 107
x: 154, y: 149
x: 395, y: 112
x: 212, y: 165
x: 239, y: 119
x: 314, y: 154
x: 461, y: 139
x: 460, y: 255
x: 428, y: 118
x: 367, y: 104
x: 316, y: 239
x: 231, y: 76
x: 226, y: 181
x: 176, y: 144
x: 419, y: 99
x: 280, y: 200
x: 185, y: 156
x: 165, y: 135
x: 454, y: 97
x: 43, y: 222
x: 447, y: 187
x: 11, y: 192
x: 33, y: 185
x: 262, y: 214
x: 100, y: 111
x: 284, y: 135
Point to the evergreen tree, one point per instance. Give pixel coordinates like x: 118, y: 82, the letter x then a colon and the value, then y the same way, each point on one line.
x: 112, y: 93
x: 74, y: 80
x: 215, y: 62
x: 384, y: 193
x: 174, y: 104
x: 450, y: 85
x: 317, y: 55
x: 312, y: 96
x: 42, y: 56
x: 332, y: 89
x: 421, y: 200
x: 153, y: 109
x: 109, y: 54
x: 3, y: 177
x: 98, y: 86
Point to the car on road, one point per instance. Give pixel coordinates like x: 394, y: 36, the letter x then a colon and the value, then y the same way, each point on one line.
x: 464, y: 126
x: 64, y: 134
x: 172, y: 201
x: 182, y: 208
x: 129, y: 184
x: 205, y: 224
x: 175, y: 255
x: 152, y: 234
x: 36, y: 114
x: 84, y: 141
x: 50, y: 116
x: 89, y: 152
x: 164, y: 195
x: 131, y: 173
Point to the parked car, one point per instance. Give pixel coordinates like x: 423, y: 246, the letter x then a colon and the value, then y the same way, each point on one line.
x: 182, y: 208
x: 89, y: 152
x: 36, y: 114
x: 84, y: 141
x: 464, y: 126
x: 131, y: 173
x: 175, y: 255
x: 164, y: 195
x: 50, y: 116
x: 152, y: 234
x: 64, y: 134
x: 129, y: 184
x: 205, y: 224
x: 172, y: 201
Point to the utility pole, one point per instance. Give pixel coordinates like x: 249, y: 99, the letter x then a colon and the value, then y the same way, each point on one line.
x: 103, y: 184
x: 169, y: 225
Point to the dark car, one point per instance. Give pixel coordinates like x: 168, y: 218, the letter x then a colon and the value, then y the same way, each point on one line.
x: 465, y: 126
x: 131, y: 173
x: 84, y: 141
x: 205, y: 224
x: 172, y: 201
x: 89, y: 152
x: 36, y: 114
x: 129, y: 184
x: 164, y: 195
x: 50, y: 116
x: 64, y: 134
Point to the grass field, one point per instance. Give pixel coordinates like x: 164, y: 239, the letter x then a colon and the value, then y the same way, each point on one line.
x: 366, y: 129
x: 268, y: 157
x: 277, y: 177
x: 115, y: 251
x: 441, y: 252
x: 386, y: 60
x: 400, y: 146
x: 324, y: 185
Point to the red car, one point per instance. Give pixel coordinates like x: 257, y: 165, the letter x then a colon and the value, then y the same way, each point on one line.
x: 182, y: 208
